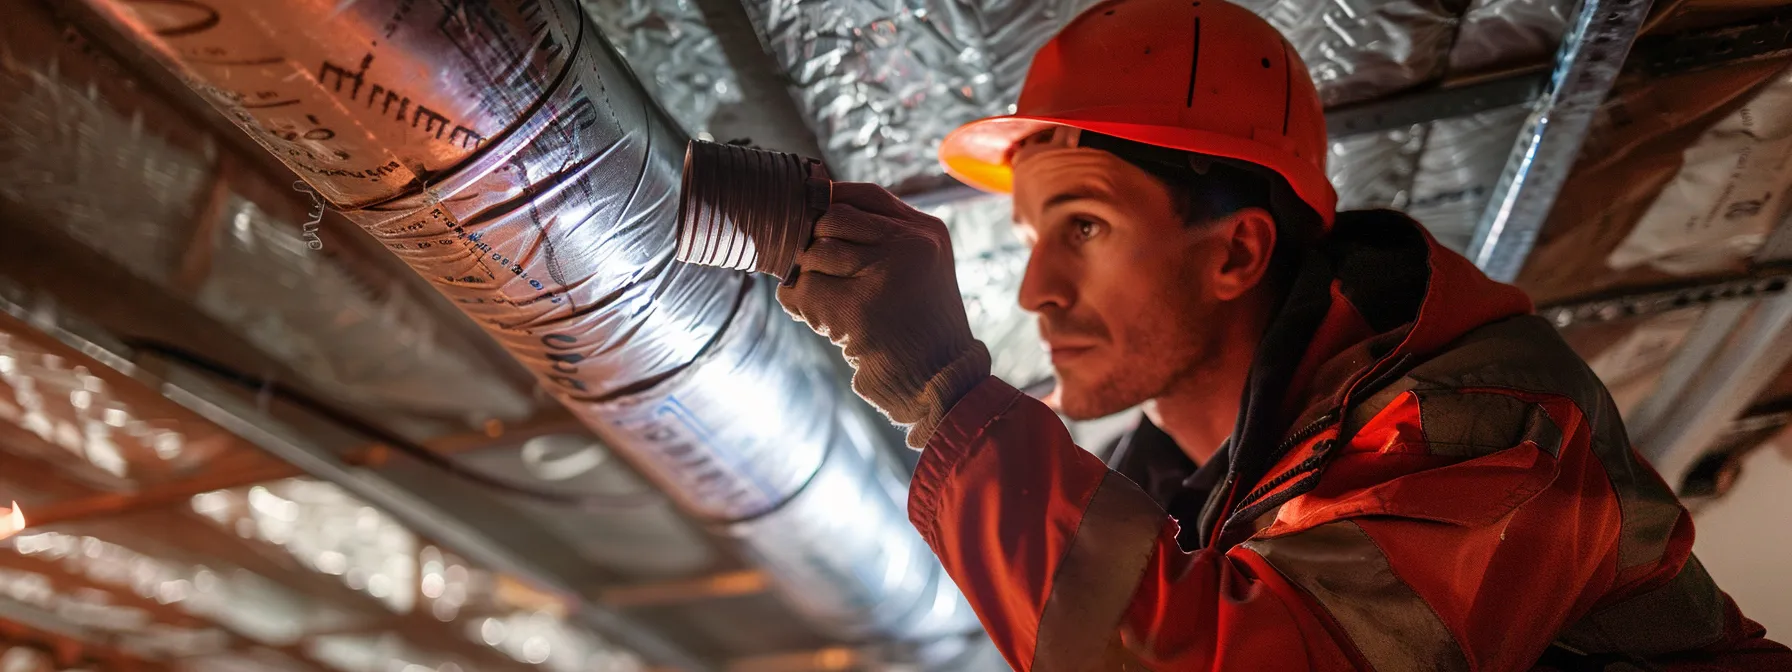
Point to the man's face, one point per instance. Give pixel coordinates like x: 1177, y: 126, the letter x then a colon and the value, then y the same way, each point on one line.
x: 1117, y: 279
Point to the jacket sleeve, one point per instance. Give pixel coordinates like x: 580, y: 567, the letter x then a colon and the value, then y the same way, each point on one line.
x: 1053, y: 550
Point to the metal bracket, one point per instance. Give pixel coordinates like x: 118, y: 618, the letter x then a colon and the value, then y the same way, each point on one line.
x: 1659, y: 55
x: 1731, y: 355
x: 1438, y: 103
x: 1699, y: 410
x: 1591, y: 56
x: 1653, y: 302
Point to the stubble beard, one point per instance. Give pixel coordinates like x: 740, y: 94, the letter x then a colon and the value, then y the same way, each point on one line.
x: 1150, y: 367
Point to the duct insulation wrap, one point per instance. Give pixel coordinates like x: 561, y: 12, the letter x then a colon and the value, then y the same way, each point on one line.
x: 143, y: 186
x: 506, y: 154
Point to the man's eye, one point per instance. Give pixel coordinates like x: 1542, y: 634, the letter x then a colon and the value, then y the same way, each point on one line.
x: 1086, y: 228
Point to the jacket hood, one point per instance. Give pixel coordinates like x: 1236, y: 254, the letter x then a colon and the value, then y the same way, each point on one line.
x: 1378, y: 297
x: 1382, y: 290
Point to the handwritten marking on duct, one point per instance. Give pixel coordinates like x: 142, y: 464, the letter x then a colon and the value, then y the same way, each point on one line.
x: 314, y: 220
x: 336, y: 77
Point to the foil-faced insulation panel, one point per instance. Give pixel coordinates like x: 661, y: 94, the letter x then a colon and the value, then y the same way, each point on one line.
x: 1014, y: 30
x: 673, y: 52
x: 1729, y: 194
x: 882, y: 82
x: 1363, y: 49
x: 990, y: 263
x: 1458, y: 171
x: 1375, y: 170
x: 1440, y: 172
x: 1497, y: 34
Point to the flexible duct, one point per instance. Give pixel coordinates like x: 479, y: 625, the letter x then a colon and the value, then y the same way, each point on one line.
x: 505, y: 153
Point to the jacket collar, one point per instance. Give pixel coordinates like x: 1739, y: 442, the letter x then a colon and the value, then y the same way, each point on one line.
x: 1380, y: 295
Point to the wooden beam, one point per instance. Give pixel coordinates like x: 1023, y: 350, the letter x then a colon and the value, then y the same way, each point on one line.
x: 682, y: 591
x: 157, y: 496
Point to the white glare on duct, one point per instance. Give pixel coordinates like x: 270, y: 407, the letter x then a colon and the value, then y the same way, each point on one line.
x: 12, y: 522
x: 379, y: 585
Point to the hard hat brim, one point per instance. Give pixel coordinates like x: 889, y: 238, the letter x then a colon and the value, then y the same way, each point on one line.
x: 978, y: 153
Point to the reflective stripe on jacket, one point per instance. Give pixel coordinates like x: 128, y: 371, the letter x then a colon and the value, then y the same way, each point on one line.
x: 1424, y: 477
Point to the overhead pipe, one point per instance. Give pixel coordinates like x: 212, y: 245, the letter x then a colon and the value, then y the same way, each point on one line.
x: 505, y: 153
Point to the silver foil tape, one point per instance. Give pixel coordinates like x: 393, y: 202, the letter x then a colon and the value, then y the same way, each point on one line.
x: 748, y: 209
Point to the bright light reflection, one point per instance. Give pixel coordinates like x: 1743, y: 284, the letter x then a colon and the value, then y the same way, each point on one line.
x: 535, y: 650
x: 14, y: 521
x: 492, y: 631
x: 432, y: 585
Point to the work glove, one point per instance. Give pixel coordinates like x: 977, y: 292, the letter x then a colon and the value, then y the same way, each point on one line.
x: 877, y: 279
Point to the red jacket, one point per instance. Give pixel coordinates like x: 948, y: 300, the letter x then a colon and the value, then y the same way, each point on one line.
x: 1424, y: 477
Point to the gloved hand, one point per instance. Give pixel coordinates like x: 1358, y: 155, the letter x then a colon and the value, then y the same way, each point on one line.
x: 877, y: 279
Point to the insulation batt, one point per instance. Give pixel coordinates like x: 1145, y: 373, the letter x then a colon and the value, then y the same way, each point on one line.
x: 1728, y: 195
x: 1633, y: 365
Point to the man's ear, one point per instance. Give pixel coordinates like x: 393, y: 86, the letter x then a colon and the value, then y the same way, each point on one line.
x: 1249, y: 237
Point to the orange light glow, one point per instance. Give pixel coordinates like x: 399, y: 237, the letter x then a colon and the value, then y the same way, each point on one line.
x: 14, y: 522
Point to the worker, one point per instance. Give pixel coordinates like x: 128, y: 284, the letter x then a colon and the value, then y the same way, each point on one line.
x: 1357, y: 451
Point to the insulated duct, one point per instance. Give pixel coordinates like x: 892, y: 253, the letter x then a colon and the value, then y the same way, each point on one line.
x: 504, y: 151
x: 138, y: 184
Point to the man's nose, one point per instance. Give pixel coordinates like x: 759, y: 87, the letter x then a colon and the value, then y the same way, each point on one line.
x: 1046, y: 285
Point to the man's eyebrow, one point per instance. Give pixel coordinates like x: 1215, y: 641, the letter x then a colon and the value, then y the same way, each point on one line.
x: 1080, y: 193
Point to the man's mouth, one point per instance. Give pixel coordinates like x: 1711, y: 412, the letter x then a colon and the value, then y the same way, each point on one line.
x: 1065, y: 352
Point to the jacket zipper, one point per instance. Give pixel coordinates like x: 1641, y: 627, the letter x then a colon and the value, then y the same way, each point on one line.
x: 1307, y: 432
x: 1286, y: 445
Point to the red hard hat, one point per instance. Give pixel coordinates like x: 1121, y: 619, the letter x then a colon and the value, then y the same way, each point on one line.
x: 1201, y: 76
